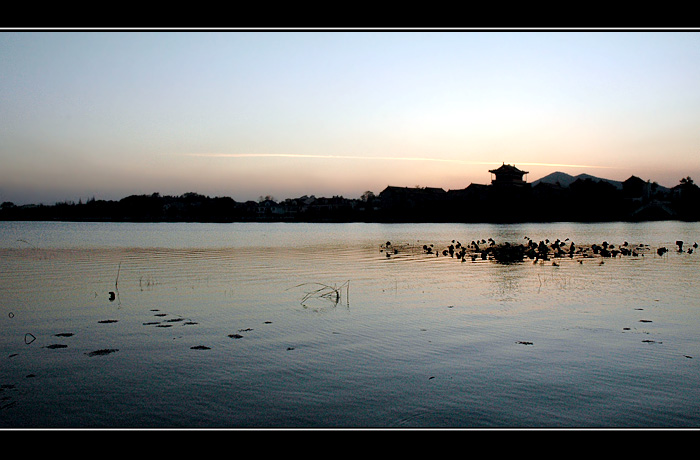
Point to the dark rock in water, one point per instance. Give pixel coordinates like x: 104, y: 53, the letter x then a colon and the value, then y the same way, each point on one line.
x: 164, y: 325
x: 64, y: 334
x: 200, y: 347
x: 151, y: 323
x: 236, y: 336
x: 104, y: 351
x: 107, y: 321
x: 56, y: 345
x: 524, y: 343
x: 645, y: 321
x: 175, y: 320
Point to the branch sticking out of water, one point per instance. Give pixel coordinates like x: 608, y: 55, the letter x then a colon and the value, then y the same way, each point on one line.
x: 331, y: 293
x: 116, y: 282
x: 112, y: 295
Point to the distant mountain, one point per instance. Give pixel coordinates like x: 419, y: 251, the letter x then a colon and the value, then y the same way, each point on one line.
x: 567, y: 179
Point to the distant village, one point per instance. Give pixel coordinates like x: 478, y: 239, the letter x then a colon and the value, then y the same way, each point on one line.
x: 508, y: 198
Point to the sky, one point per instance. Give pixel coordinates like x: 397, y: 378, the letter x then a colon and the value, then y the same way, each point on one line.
x: 246, y: 114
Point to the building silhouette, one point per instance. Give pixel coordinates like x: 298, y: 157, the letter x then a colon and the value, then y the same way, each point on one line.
x: 507, y: 175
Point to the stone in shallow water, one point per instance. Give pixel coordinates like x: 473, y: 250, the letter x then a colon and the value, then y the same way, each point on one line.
x: 104, y: 351
x: 200, y: 347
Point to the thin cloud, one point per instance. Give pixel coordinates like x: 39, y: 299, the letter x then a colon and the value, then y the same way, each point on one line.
x: 357, y: 157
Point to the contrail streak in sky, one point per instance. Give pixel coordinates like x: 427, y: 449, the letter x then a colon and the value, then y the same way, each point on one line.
x: 355, y: 157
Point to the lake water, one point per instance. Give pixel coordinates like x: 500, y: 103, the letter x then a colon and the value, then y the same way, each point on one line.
x: 313, y: 325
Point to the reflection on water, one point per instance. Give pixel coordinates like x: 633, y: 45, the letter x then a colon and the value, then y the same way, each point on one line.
x: 313, y: 325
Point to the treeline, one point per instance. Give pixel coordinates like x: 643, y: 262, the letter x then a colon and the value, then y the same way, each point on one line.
x: 134, y: 208
x: 189, y: 207
x: 585, y: 200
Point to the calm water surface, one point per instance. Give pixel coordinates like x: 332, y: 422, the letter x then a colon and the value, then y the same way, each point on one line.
x: 313, y: 325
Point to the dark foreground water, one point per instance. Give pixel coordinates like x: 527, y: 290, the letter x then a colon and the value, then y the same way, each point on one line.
x: 313, y: 325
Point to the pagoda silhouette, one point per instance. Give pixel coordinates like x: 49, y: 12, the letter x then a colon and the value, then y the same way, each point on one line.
x: 507, y: 176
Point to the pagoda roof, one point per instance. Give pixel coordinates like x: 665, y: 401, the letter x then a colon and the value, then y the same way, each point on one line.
x: 508, y: 169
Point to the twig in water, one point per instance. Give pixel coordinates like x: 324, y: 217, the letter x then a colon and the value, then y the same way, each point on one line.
x: 116, y: 282
x: 112, y: 295
x: 327, y: 292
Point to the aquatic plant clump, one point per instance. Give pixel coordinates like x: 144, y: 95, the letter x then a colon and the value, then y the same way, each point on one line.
x: 544, y: 250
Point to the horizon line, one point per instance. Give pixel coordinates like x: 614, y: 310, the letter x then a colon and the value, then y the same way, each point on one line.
x: 359, y: 157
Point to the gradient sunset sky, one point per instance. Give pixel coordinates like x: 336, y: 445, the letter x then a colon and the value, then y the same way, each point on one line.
x: 291, y: 113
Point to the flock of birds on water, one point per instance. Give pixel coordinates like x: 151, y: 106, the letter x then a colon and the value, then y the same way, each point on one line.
x: 545, y: 250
